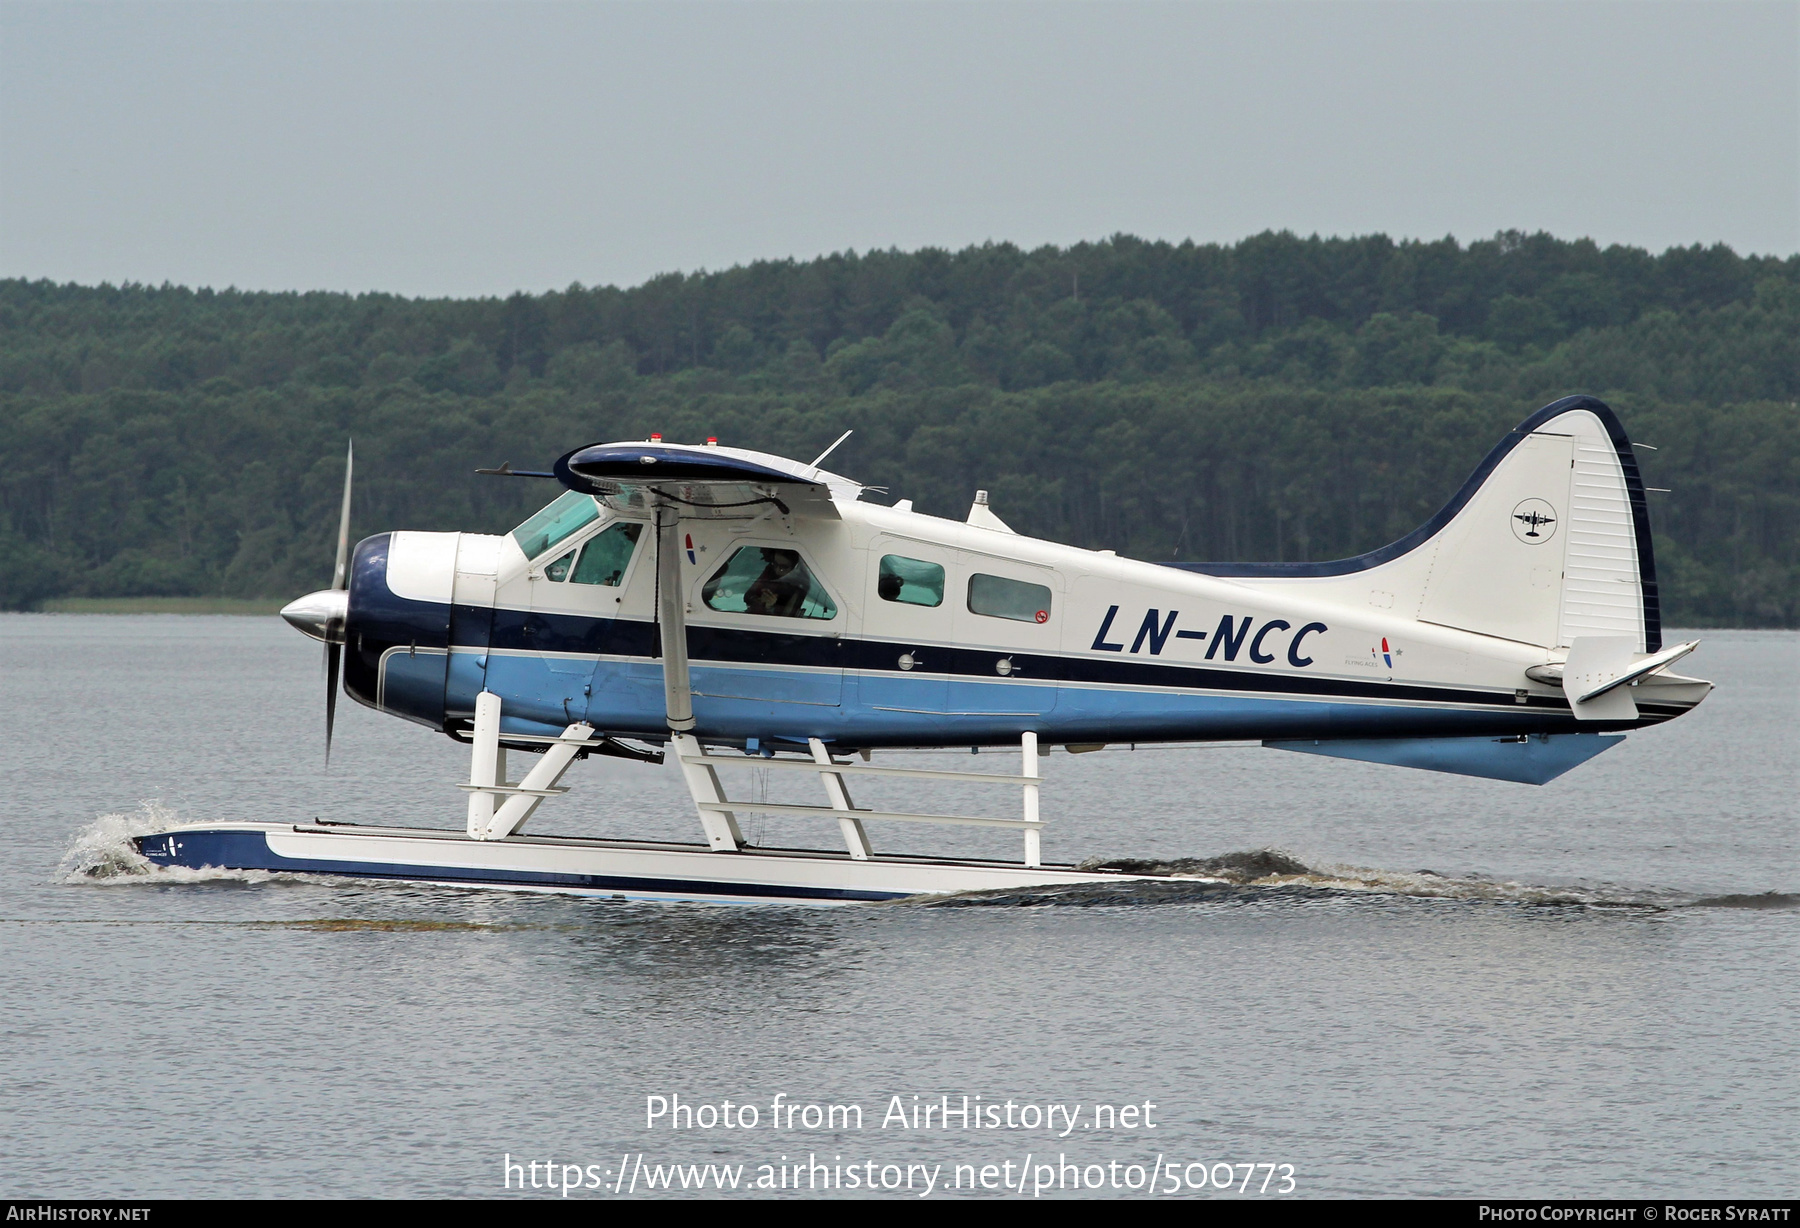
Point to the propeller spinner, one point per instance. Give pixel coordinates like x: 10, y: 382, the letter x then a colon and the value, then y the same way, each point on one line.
x: 322, y: 615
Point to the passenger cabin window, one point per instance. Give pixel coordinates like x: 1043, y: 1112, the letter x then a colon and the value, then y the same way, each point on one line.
x: 763, y: 580
x: 554, y: 523
x: 998, y: 597
x: 910, y: 581
x: 603, y: 560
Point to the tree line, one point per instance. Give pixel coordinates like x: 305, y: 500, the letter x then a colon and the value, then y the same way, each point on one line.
x: 1280, y: 398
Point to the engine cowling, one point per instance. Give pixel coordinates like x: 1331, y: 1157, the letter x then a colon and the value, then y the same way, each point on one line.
x: 397, y: 627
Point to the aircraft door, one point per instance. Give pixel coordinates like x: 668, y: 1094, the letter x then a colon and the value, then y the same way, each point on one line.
x: 907, y: 615
x: 1007, y: 622
x: 573, y: 608
x: 763, y: 623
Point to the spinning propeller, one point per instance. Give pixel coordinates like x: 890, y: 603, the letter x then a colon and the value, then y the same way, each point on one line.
x: 322, y: 614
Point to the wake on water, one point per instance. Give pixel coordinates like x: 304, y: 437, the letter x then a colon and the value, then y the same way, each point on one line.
x: 103, y: 852
x: 1271, y: 874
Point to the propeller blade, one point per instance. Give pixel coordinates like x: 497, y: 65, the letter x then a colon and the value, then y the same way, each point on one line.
x: 340, y: 574
x: 334, y: 656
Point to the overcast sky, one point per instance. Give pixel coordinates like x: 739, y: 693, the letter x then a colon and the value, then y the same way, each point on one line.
x: 468, y: 149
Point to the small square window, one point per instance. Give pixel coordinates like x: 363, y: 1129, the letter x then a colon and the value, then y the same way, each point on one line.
x: 910, y: 581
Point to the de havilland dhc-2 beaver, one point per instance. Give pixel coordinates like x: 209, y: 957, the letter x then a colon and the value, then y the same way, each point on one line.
x: 733, y: 608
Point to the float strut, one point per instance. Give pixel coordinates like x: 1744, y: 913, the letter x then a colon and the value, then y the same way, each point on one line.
x: 487, y: 764
x: 722, y: 832
x: 855, y: 838
x: 1028, y: 748
x: 487, y: 774
x: 540, y: 782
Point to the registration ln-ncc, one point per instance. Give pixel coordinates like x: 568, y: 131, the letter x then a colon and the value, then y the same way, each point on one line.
x: 730, y: 609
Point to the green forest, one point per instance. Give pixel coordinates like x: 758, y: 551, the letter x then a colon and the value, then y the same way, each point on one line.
x: 1282, y: 398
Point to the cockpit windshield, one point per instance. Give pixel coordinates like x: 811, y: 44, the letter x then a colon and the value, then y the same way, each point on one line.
x: 555, y: 522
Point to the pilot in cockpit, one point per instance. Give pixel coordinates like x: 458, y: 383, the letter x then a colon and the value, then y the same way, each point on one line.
x: 780, y: 588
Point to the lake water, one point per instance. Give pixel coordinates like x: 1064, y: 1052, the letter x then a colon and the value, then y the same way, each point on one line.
x: 1584, y: 989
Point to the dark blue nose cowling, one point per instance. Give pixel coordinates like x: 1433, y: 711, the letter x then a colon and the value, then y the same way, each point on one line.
x: 396, y: 647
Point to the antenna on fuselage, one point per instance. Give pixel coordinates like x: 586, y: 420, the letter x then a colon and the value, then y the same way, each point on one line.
x: 833, y: 448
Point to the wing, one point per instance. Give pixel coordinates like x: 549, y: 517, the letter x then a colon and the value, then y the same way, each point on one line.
x: 711, y: 482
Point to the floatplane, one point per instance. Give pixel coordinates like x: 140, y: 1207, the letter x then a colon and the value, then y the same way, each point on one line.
x: 728, y: 608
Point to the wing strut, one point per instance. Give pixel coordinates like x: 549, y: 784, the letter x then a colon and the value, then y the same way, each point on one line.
x: 722, y: 832
x: 671, y: 619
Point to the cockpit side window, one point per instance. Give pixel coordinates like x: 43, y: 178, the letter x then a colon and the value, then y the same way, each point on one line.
x: 764, y: 580
x: 910, y: 581
x: 554, y: 523
x: 605, y: 557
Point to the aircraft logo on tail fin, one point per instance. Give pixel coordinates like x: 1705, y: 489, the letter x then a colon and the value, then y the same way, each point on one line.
x: 1534, y: 522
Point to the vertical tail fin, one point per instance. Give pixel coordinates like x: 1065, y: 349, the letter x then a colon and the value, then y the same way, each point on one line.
x: 1547, y: 541
x: 1553, y: 542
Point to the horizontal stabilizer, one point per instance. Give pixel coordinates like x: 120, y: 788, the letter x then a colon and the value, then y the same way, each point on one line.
x: 1595, y: 667
x: 1529, y: 760
x: 1641, y: 665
